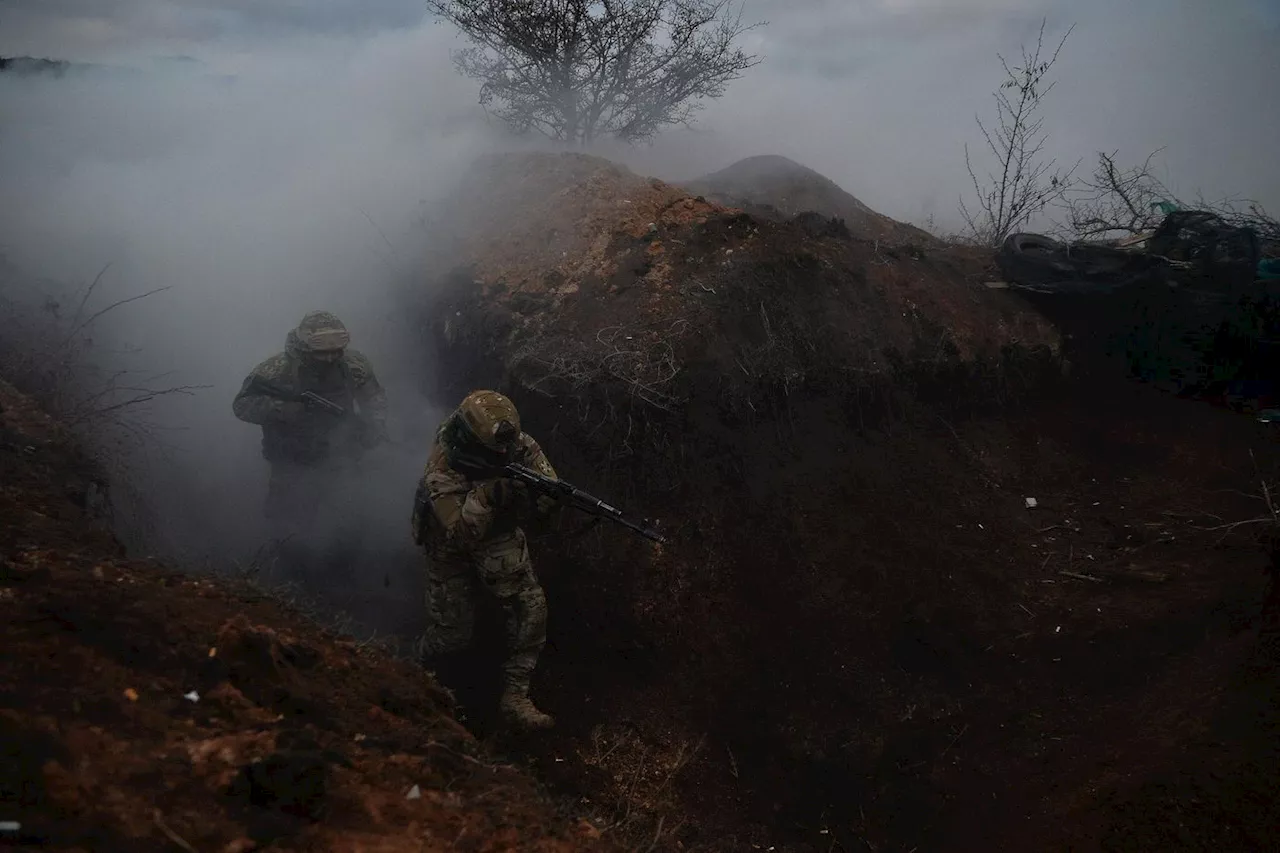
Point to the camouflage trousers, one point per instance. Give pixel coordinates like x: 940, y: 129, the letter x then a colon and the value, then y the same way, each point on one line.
x: 499, y: 567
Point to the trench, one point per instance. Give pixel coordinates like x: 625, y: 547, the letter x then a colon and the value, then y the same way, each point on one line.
x: 827, y: 639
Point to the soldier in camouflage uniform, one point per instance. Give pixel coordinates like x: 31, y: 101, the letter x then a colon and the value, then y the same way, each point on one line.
x: 469, y: 520
x: 305, y: 443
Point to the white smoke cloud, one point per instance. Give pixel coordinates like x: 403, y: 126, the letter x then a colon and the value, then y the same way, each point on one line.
x: 269, y: 159
x: 254, y: 187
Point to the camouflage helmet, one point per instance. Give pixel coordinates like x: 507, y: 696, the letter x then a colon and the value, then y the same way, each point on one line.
x: 483, y: 432
x: 320, y: 332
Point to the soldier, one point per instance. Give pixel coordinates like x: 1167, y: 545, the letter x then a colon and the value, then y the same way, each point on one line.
x: 468, y: 518
x: 319, y: 405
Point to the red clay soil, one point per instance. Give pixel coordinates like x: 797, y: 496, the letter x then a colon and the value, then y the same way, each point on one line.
x: 858, y: 635
x: 142, y: 708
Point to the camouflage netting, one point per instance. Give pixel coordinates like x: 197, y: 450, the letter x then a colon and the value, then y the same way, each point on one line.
x: 626, y: 298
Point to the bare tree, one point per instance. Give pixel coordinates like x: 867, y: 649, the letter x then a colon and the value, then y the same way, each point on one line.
x: 1022, y: 182
x: 54, y: 358
x: 1246, y: 213
x: 1114, y: 200
x: 576, y: 70
x: 1124, y: 201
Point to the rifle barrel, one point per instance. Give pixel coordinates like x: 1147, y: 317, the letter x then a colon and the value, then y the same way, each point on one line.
x: 577, y: 497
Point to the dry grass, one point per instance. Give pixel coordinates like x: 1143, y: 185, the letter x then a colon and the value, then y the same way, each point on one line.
x: 51, y: 352
x: 641, y: 360
x: 644, y: 773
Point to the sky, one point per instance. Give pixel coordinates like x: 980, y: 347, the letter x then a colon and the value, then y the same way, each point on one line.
x: 281, y: 155
x: 879, y: 95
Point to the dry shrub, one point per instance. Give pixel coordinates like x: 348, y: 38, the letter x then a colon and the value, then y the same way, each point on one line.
x: 50, y: 352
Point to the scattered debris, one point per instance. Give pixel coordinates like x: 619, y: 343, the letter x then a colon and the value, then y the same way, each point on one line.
x: 1031, y: 503
x: 415, y: 793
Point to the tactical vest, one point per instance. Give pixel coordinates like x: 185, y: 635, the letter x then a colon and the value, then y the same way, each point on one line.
x: 317, y: 436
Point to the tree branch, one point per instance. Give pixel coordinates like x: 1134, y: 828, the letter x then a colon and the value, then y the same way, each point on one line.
x: 575, y: 69
x: 1022, y: 183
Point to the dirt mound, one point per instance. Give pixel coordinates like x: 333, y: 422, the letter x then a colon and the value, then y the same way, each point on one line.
x: 540, y: 223
x: 771, y: 185
x: 857, y: 628
x: 576, y: 269
x: 145, y: 709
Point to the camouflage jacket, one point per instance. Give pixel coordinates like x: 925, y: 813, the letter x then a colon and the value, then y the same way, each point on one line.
x: 453, y: 515
x: 291, y: 433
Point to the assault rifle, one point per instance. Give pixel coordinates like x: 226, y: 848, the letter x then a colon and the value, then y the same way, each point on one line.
x: 311, y: 398
x: 575, y: 498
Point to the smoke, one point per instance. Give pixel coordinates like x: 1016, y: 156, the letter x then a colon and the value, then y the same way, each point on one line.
x: 247, y: 191
x: 290, y: 163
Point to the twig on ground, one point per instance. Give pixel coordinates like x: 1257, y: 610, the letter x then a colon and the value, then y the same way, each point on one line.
x: 657, y: 835
x: 1266, y: 489
x: 1079, y: 576
x: 1234, y: 524
x: 468, y: 758
x: 173, y: 836
x: 954, y: 741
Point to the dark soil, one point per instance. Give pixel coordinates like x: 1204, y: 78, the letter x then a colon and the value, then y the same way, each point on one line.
x: 880, y: 647
x: 858, y: 635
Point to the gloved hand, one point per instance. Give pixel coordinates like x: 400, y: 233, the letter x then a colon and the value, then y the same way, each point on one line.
x: 545, y: 505
x: 505, y: 493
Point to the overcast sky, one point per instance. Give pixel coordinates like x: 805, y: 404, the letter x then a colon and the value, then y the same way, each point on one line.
x: 877, y: 94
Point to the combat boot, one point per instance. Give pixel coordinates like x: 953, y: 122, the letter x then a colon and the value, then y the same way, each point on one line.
x: 518, y: 711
